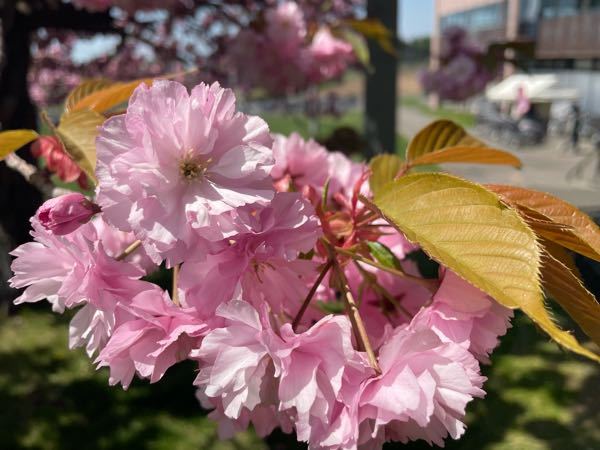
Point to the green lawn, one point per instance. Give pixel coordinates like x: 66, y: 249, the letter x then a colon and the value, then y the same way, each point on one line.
x: 52, y: 398
x: 464, y: 118
x: 321, y: 127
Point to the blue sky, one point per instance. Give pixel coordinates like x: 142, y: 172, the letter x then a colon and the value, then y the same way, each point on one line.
x: 416, y: 18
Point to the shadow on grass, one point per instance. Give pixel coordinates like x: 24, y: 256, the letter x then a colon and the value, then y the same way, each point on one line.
x: 51, y: 398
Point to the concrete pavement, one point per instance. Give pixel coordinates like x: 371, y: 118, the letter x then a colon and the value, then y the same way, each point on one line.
x: 548, y: 167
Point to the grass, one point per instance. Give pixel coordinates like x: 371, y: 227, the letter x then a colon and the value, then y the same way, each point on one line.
x: 464, y: 118
x: 52, y: 398
x: 321, y: 127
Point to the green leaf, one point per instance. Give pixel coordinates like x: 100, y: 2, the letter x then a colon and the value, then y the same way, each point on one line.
x: 469, y: 230
x: 384, y: 169
x: 78, y: 130
x: 383, y: 255
x: 325, y: 194
x: 332, y: 307
x: 13, y: 140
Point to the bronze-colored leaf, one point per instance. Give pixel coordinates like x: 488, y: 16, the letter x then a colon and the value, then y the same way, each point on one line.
x: 84, y: 90
x: 109, y: 97
x: 554, y: 219
x: 476, y: 155
x: 568, y: 291
x: 439, y: 135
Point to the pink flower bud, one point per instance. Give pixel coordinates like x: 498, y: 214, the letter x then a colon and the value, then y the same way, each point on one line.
x: 64, y: 214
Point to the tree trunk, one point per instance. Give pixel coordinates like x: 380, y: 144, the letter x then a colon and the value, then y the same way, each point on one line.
x: 18, y: 199
x: 380, y: 105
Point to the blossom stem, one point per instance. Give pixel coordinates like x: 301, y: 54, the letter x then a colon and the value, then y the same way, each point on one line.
x: 175, y: 293
x: 129, y: 250
x: 362, y: 338
x: 371, y: 279
x: 311, y: 293
x: 431, y: 285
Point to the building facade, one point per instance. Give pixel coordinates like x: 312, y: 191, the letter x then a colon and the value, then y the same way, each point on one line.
x: 565, y: 34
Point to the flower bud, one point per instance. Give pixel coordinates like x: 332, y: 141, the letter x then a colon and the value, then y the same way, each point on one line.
x: 64, y: 214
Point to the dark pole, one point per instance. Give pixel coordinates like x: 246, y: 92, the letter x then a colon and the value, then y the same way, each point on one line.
x: 380, y: 104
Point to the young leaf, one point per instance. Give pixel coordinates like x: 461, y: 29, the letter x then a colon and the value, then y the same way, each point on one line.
x: 374, y: 29
x: 478, y: 155
x: 444, y: 141
x: 84, y: 90
x: 572, y: 228
x: 383, y: 255
x: 78, y: 130
x: 468, y: 229
x: 384, y: 169
x: 109, y: 97
x: 102, y: 99
x: 572, y: 296
x: 358, y: 43
x: 13, y: 140
x: 560, y: 253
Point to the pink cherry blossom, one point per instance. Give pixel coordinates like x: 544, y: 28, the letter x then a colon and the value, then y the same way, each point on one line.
x: 422, y: 392
x: 158, y: 335
x: 261, y: 259
x: 329, y: 56
x: 70, y: 270
x: 175, y: 160
x: 64, y: 214
x: 234, y: 359
x: 463, y: 314
x: 286, y: 26
x: 299, y: 163
x: 344, y: 173
x: 311, y: 367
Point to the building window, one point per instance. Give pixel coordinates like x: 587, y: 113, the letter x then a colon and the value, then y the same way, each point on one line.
x: 477, y: 19
x: 561, y: 8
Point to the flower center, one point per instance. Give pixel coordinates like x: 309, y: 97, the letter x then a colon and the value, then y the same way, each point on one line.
x: 191, y: 169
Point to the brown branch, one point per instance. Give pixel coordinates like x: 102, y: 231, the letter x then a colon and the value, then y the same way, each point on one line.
x: 34, y: 177
x: 311, y: 293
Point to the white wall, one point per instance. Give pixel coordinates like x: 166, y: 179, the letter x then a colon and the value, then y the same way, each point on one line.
x: 588, y: 85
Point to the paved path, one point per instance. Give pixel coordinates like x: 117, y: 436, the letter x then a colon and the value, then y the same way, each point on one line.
x: 545, y: 167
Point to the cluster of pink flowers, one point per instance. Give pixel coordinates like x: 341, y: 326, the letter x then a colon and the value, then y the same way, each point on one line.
x: 252, y: 225
x: 295, y: 58
x: 463, y: 71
